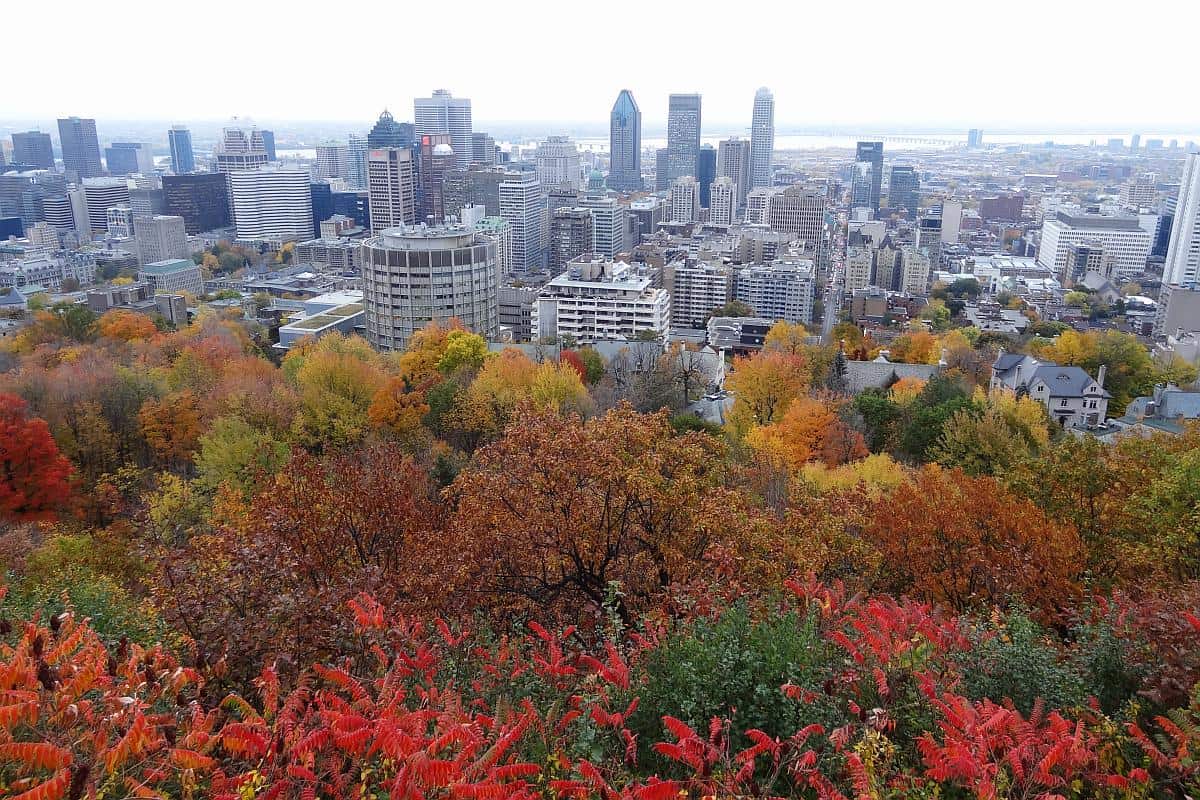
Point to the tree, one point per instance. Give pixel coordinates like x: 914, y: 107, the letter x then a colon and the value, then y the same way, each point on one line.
x: 399, y: 410
x: 337, y: 378
x: 967, y: 543
x: 734, y: 308
x: 763, y: 386
x: 557, y: 387
x: 593, y: 364
x: 558, y: 512
x: 464, y: 350
x: 809, y: 430
x: 236, y: 455
x: 1000, y: 432
x: 787, y: 337
x: 34, y: 476
x: 918, y: 347
x: 127, y: 326
x: 172, y: 428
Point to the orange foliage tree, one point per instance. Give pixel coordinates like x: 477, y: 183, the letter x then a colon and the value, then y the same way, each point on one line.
x: 128, y: 326
x: 966, y: 542
x: 34, y: 476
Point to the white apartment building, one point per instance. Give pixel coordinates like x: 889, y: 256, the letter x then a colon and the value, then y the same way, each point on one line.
x: 783, y: 289
x: 914, y: 271
x: 557, y: 162
x: 599, y: 300
x: 1140, y: 190
x: 500, y: 232
x: 1123, y: 237
x: 859, y: 268
x: 696, y: 288
x: 160, y: 238
x: 523, y: 206
x: 610, y: 225
x: 684, y: 199
x: 1183, y: 252
x: 271, y: 204
x: 722, y: 202
x: 758, y: 205
x: 798, y: 211
x: 391, y: 188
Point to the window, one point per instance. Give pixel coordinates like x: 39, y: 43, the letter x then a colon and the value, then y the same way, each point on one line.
x: 1062, y: 402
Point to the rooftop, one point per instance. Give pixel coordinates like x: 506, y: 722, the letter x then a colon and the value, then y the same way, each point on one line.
x: 168, y: 267
x: 1098, y: 221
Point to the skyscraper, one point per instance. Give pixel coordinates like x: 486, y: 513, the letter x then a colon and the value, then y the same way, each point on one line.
x: 1183, y: 253
x: 392, y: 187
x: 706, y: 172
x: 523, y: 206
x: 662, y: 169
x: 610, y: 224
x: 268, y: 139
x: 33, y: 148
x: 873, y: 153
x: 241, y: 150
x: 333, y: 160
x: 903, y: 189
x: 684, y: 200
x: 483, y: 149
x: 128, y: 158
x: 444, y: 113
x: 722, y: 201
x: 271, y: 203
x: 570, y: 236
x: 201, y: 198
x: 182, y: 159
x: 160, y: 237
x: 321, y: 195
x: 80, y: 146
x: 762, y: 138
x: 557, y: 161
x: 683, y: 136
x: 974, y: 138
x: 733, y: 162
x: 625, y: 144
x: 357, y: 167
x: 389, y: 133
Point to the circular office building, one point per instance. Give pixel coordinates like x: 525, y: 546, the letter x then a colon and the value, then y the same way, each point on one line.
x: 414, y: 275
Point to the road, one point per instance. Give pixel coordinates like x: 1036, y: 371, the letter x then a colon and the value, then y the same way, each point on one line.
x: 834, y: 293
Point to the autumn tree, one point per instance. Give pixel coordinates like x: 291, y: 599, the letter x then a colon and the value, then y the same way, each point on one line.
x: 965, y: 542
x: 560, y: 515
x: 337, y: 378
x: 763, y: 386
x: 34, y: 476
x: 172, y: 427
x: 127, y: 326
x: 809, y: 430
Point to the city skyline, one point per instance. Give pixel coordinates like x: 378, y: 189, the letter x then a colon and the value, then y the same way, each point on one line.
x: 970, y: 87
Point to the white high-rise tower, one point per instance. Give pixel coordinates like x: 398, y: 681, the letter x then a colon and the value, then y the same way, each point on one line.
x: 762, y: 138
x: 1183, y: 253
x: 444, y: 113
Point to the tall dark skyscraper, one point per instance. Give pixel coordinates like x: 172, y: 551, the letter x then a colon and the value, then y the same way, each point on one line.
x: 202, y: 199
x: 322, y: 204
x: 872, y: 152
x: 80, y: 146
x: 33, y: 148
x: 662, y: 169
x: 625, y: 144
x: 706, y: 172
x: 389, y: 133
x: 268, y: 138
x: 903, y: 190
x: 182, y: 158
x: 354, y: 204
x: 683, y: 136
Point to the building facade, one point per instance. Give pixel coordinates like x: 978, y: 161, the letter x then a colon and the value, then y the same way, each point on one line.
x: 201, y: 198
x: 733, y: 162
x: 781, y: 290
x: 391, y: 188
x: 33, y: 148
x: 684, y: 199
x: 176, y: 276
x: 570, y: 236
x: 183, y: 159
x: 416, y: 275
x: 1183, y: 252
x: 80, y: 147
x: 625, y: 144
x: 160, y: 238
x: 523, y: 205
x: 600, y: 300
x: 695, y: 289
x: 444, y: 113
x: 271, y: 203
x: 1122, y: 237
x: 762, y: 137
x: 683, y: 136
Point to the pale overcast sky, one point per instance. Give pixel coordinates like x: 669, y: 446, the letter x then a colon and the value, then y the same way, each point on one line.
x: 1012, y: 64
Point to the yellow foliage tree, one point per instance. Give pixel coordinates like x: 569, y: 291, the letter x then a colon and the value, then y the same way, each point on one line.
x: 763, y: 386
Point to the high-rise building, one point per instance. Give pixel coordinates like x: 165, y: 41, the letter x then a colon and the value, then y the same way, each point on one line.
x: 974, y: 138
x: 33, y: 148
x: 696, y: 288
x: 557, y: 162
x: 523, y: 206
x: 859, y: 263
x: 733, y: 162
x: 389, y: 133
x: 762, y: 138
x: 435, y: 161
x: 333, y: 160
x: 684, y: 200
x: 391, y: 187
x: 183, y: 160
x: 798, y: 211
x: 444, y: 113
x: 23, y: 194
x: 1122, y: 237
x: 416, y: 275
x: 952, y: 211
x: 662, y: 169
x: 862, y: 179
x: 201, y: 198
x: 706, y: 172
x: 321, y: 196
x: 722, y: 202
x: 1183, y: 252
x: 483, y: 149
x: 119, y: 222
x: 357, y: 150
x: 600, y: 300
x: 873, y: 153
x: 271, y: 203
x: 783, y: 289
x: 101, y: 194
x: 625, y: 144
x: 80, y: 147
x: 268, y: 140
x: 129, y: 158
x: 683, y: 135
x: 1140, y: 190
x: 160, y: 238
x: 610, y: 225
x: 570, y: 236
x: 914, y: 271
x: 904, y: 189
x: 356, y: 205
x: 241, y: 150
